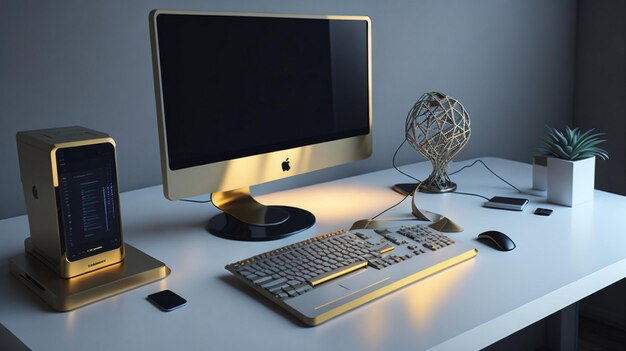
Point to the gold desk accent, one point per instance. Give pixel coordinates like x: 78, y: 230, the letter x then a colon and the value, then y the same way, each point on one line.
x: 322, y: 278
x: 63, y: 294
x: 439, y: 222
x: 386, y: 249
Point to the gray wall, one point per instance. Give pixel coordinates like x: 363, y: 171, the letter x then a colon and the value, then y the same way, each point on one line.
x: 600, y: 94
x: 511, y: 63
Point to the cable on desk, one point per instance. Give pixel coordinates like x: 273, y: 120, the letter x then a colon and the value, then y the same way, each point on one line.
x: 489, y: 169
x: 470, y: 194
x: 198, y: 201
x: 389, y: 208
x: 399, y: 202
x: 393, y: 162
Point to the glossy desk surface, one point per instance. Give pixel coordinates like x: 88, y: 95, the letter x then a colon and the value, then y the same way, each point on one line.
x: 558, y: 260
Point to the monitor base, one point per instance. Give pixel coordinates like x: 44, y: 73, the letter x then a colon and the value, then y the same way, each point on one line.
x: 226, y: 226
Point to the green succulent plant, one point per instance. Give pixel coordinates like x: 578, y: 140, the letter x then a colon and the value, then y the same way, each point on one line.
x: 572, y: 144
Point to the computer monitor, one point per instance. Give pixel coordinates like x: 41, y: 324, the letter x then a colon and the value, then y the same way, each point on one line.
x: 244, y: 99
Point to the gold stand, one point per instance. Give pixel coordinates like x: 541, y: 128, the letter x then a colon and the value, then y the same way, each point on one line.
x: 244, y: 218
x: 62, y: 294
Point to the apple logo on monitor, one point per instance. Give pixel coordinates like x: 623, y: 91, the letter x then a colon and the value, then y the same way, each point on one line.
x: 285, y: 165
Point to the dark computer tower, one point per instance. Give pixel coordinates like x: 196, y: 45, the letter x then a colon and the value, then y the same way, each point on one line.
x: 69, y: 178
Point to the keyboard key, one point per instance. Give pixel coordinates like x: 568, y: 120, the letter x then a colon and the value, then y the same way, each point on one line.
x: 277, y: 288
x: 262, y: 280
x: 270, y: 283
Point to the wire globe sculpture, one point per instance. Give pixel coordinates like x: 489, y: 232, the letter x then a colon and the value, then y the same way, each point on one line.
x: 438, y: 126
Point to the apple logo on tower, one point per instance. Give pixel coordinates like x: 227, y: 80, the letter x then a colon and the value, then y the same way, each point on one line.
x: 285, y: 165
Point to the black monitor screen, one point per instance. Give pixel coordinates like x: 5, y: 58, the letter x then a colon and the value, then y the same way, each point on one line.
x: 236, y: 86
x: 88, y: 200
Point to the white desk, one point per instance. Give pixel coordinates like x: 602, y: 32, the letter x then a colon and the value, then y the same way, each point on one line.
x: 558, y: 260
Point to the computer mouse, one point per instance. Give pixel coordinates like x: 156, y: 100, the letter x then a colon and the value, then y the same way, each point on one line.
x: 498, y: 240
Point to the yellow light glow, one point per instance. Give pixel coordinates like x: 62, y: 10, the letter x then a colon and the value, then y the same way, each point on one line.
x: 431, y: 296
x: 333, y: 203
x: 374, y: 329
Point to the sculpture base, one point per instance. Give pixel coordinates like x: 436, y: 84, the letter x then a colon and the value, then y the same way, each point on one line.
x: 137, y: 269
x: 437, y: 188
x: 408, y: 188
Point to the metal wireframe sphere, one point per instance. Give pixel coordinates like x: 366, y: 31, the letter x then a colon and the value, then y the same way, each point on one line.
x: 438, y: 126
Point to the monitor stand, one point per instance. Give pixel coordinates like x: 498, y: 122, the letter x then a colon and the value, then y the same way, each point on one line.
x: 244, y: 218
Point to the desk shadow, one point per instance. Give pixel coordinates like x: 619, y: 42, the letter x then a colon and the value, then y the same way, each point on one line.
x: 242, y: 287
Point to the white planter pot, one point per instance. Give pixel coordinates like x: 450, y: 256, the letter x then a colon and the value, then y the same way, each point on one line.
x: 570, y: 182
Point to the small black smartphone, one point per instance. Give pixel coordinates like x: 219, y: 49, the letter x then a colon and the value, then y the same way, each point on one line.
x: 543, y: 211
x: 167, y: 300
